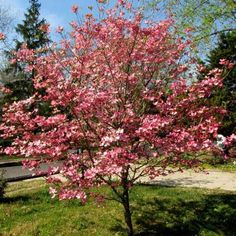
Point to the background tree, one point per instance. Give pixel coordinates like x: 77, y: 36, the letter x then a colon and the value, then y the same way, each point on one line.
x: 5, y: 19
x: 31, y: 30
x: 209, y: 20
x: 116, y: 91
x: 6, y: 25
x: 226, y: 96
x: 206, y: 18
x: 32, y: 34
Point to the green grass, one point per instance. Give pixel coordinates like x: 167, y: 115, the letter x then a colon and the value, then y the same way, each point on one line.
x: 209, y: 161
x: 220, y: 167
x: 29, y: 210
x: 6, y: 158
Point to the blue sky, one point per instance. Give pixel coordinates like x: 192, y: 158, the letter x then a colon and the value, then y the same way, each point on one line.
x: 57, y: 12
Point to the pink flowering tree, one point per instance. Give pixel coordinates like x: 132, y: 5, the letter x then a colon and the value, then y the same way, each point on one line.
x: 116, y: 92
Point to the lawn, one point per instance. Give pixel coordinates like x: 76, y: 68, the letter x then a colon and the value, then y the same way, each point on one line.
x: 220, y: 167
x: 29, y: 210
x: 5, y: 158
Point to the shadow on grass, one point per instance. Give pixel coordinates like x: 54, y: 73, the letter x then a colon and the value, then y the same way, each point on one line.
x: 15, y: 199
x: 186, y: 181
x: 156, y: 210
x: 27, y: 198
x: 42, y: 198
x: 211, y: 215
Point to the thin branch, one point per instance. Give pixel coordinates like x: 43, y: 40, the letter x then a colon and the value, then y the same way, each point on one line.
x: 215, y: 33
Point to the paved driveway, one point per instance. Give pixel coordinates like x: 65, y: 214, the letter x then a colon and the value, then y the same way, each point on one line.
x: 18, y: 172
x: 212, y: 180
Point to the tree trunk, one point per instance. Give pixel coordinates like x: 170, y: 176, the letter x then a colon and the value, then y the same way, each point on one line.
x: 128, y: 219
x: 127, y: 212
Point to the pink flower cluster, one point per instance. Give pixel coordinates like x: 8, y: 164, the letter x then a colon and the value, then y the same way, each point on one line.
x: 119, y: 100
x: 227, y: 63
x: 2, y: 36
x: 45, y: 28
x: 74, y: 8
x: 4, y: 90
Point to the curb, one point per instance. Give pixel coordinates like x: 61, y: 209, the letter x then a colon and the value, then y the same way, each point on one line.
x: 25, y: 177
x: 15, y: 163
x: 9, y: 164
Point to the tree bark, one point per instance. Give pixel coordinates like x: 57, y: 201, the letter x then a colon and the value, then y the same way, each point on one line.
x: 127, y: 212
x: 125, y: 203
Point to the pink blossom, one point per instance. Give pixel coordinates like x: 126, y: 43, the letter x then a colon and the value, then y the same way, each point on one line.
x: 2, y: 36
x: 201, y: 68
x: 227, y: 63
x: 119, y: 101
x: 45, y: 28
x: 189, y: 29
x: 4, y: 90
x: 230, y: 140
x: 74, y: 8
x: 73, y: 24
x: 89, y: 15
x: 53, y: 192
x: 121, y: 2
x: 59, y: 29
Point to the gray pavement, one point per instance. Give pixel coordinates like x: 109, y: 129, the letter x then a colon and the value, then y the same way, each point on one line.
x: 14, y: 171
x: 212, y: 180
x: 17, y: 172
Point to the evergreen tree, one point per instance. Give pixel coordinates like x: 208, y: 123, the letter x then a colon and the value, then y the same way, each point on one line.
x: 31, y: 33
x: 226, y: 49
x: 31, y: 28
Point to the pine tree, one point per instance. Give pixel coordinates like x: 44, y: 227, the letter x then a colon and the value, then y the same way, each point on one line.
x: 30, y: 30
x: 30, y: 33
x: 226, y: 49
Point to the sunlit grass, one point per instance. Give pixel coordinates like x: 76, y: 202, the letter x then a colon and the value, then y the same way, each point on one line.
x: 6, y: 158
x: 29, y: 210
